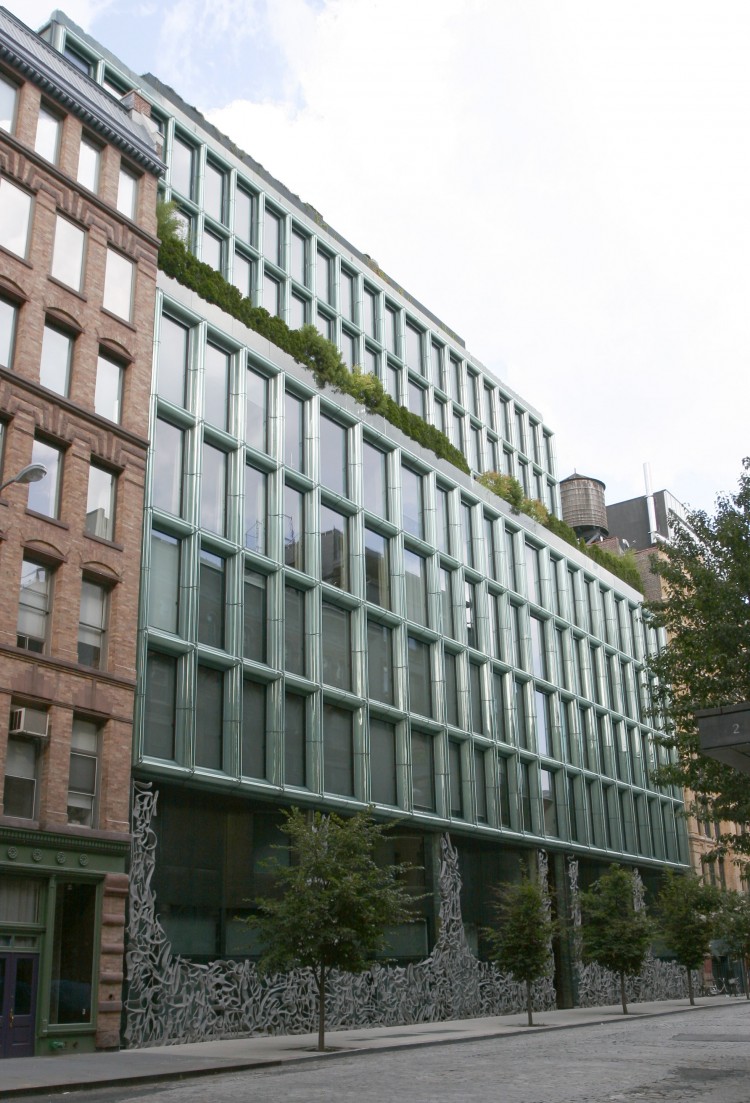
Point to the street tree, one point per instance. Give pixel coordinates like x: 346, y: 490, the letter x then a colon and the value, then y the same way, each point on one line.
x: 687, y: 917
x: 520, y: 943
x: 614, y: 932
x: 733, y: 926
x: 705, y: 569
x: 334, y: 900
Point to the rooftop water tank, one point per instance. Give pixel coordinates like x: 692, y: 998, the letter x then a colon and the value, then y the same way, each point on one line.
x: 583, y: 506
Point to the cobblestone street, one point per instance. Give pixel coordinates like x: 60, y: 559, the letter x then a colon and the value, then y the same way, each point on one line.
x: 694, y: 1058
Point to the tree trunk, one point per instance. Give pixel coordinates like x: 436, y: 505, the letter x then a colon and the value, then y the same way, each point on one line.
x: 690, y: 985
x: 623, y: 997
x: 322, y: 1010
x: 528, y: 1003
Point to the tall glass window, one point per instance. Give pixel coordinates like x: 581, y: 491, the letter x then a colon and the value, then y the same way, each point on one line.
x: 67, y: 253
x: 15, y: 218
x: 451, y: 689
x: 57, y: 356
x: 161, y: 690
x: 456, y: 779
x: 8, y: 97
x: 415, y: 578
x: 411, y: 501
x: 255, y: 509
x: 337, y: 650
x: 48, y: 132
x: 253, y: 729
x: 213, y: 489
x: 182, y: 167
x: 167, y: 468
x: 216, y: 385
x: 295, y: 742
x: 211, y: 600
x: 173, y: 360
x: 294, y: 528
x: 119, y: 280
x: 100, y: 503
x: 256, y: 410
x: 89, y: 157
x: 334, y: 548
x: 420, y: 682
x: 273, y: 241
x: 44, y: 496
x: 374, y: 479
x: 377, y: 569
x: 209, y: 718
x: 213, y: 192
x: 380, y: 661
x: 383, y: 762
x: 127, y: 192
x: 254, y: 616
x: 244, y: 214
x: 333, y: 455
x: 294, y: 630
x: 338, y: 750
x: 423, y: 771
x: 164, y: 581
x: 108, y: 393
x: 294, y: 432
x: 92, y: 624
x: 8, y: 315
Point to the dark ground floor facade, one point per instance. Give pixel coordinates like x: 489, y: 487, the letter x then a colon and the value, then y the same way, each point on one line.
x: 62, y: 932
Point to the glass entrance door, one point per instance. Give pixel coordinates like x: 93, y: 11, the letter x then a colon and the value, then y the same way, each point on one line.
x: 18, y: 977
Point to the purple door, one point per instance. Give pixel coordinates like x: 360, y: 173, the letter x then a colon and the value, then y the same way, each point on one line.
x: 18, y: 975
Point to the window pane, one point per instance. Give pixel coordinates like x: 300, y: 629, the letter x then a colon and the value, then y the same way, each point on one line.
x: 243, y: 215
x: 33, y: 607
x: 48, y: 128
x: 181, y: 167
x: 8, y: 95
x: 213, y: 489
x: 57, y: 353
x: 255, y: 510
x: 272, y: 237
x: 295, y: 759
x: 67, y: 256
x: 108, y: 394
x: 446, y: 603
x: 411, y: 499
x: 256, y: 408
x: 254, y: 624
x: 337, y: 652
x: 209, y: 718
x: 173, y: 360
x: 216, y: 386
x: 164, y: 581
x: 213, y: 192
x: 456, y: 787
x: 323, y: 277
x: 242, y: 274
x: 377, y: 569
x: 294, y: 432
x: 334, y: 551
x: 19, y: 791
x: 127, y: 193
x: 88, y: 165
x: 294, y: 536
x: 420, y: 695
x: 100, y: 504
x: 451, y: 689
x: 416, y: 587
x: 413, y: 348
x: 91, y: 626
x: 211, y: 252
x: 380, y: 662
x: 338, y: 750
x: 382, y: 762
x: 8, y: 312
x: 211, y: 600
x: 253, y: 729
x: 161, y: 687
x: 44, y: 496
x: 374, y: 479
x: 167, y: 468
x: 118, y: 285
x: 271, y: 294
x: 333, y: 455
x: 423, y: 771
x: 299, y: 257
x: 15, y: 212
x: 294, y: 630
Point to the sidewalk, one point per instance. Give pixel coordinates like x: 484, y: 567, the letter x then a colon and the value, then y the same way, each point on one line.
x: 31, y: 1075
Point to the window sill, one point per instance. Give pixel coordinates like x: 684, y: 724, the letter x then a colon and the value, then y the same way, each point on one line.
x: 46, y: 517
x: 66, y: 287
x: 116, y: 318
x: 103, y: 540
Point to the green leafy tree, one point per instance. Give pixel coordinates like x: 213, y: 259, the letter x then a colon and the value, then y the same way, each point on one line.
x: 614, y: 932
x: 688, y: 915
x: 733, y: 926
x: 520, y: 943
x: 335, y: 902
x: 706, y: 663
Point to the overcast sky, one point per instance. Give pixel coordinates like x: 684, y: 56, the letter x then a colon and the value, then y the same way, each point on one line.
x: 566, y: 183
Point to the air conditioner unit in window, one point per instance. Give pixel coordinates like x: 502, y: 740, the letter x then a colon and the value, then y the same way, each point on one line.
x: 29, y: 721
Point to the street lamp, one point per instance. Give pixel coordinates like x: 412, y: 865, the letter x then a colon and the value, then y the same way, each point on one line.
x: 32, y: 473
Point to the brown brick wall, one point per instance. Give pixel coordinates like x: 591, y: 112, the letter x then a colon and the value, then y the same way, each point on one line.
x: 54, y: 680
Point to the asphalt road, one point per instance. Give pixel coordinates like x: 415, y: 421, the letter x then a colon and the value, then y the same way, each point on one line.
x: 698, y: 1058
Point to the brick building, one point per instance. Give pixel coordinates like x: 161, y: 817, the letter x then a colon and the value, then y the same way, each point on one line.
x: 78, y: 177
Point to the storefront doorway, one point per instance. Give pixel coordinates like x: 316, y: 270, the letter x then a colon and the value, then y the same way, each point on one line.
x: 18, y: 982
